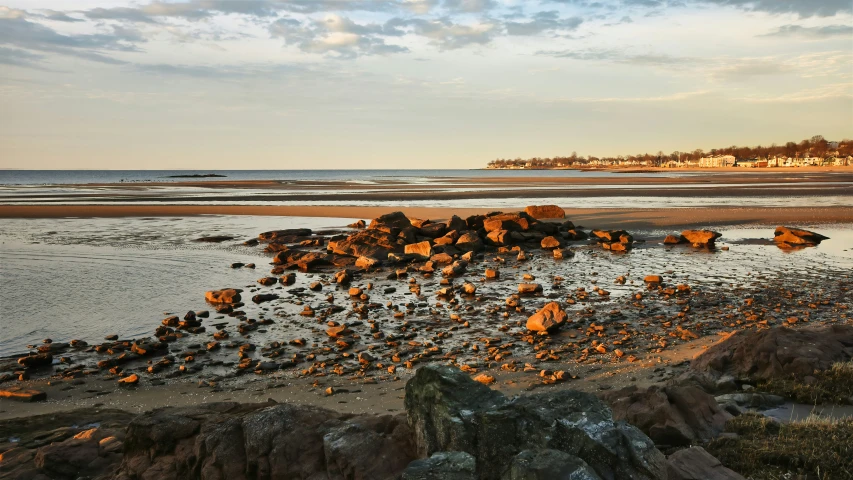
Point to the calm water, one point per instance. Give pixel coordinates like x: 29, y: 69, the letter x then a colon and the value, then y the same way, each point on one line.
x: 59, y: 177
x: 86, y: 278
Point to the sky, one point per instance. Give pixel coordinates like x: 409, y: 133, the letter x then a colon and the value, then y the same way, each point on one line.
x: 348, y: 84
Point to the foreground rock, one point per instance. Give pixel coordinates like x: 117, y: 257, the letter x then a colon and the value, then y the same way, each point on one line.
x: 670, y: 416
x: 229, y: 295
x: 776, y: 353
x: 550, y: 318
x: 695, y: 463
x: 450, y: 412
x: 237, y: 441
x: 700, y: 237
x: 788, y: 237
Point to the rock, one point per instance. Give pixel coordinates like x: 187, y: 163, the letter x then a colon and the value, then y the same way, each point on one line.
x: 359, y: 224
x: 131, y: 379
x: 268, y: 281
x: 548, y: 465
x: 367, y: 243
x: 469, y: 241
x: 291, y: 232
x: 343, y: 276
x: 456, y: 268
x: 433, y: 230
x: 22, y: 395
x: 794, y: 237
x: 448, y: 411
x: 391, y: 223
x: 442, y: 466
x: 264, y: 297
x: 611, y: 236
x: 695, y: 463
x: 457, y: 224
x: 44, y: 359
x: 700, y: 237
x: 230, y: 295
x: 550, y: 243
x: 499, y: 238
x: 492, y: 274
x: 672, y: 240
x: 338, y: 331
x: 529, y: 288
x: 548, y: 319
x: 749, y: 400
x: 506, y: 221
x: 485, y: 379
x: 671, y: 416
x: 545, y: 211
x: 366, y: 263
x: 469, y: 288
x: 237, y: 441
x: 779, y: 352
x: 653, y: 279
x: 288, y: 279
x: 420, y: 249
x: 215, y: 239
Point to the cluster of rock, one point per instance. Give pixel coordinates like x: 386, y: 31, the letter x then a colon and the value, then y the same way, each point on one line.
x: 790, y: 238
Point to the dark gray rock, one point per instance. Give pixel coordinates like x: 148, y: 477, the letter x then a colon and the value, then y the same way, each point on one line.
x: 548, y: 465
x: 443, y: 466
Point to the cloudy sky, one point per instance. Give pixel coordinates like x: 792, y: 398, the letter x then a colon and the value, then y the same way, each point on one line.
x: 257, y: 84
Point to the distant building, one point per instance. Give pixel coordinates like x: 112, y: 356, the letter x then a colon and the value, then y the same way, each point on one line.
x: 832, y: 145
x: 717, y: 161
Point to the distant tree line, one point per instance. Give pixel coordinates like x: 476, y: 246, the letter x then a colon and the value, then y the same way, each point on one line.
x: 817, y: 147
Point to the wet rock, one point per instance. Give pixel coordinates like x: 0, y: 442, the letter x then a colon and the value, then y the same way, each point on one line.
x: 442, y: 466
x: 291, y: 232
x: 671, y: 416
x: 545, y: 211
x: 672, y: 240
x: 653, y: 279
x: 760, y: 401
x: 366, y: 263
x: 43, y: 359
x: 264, y: 297
x: 359, y: 224
x: 22, y: 395
x: 700, y: 237
x: 529, y: 288
x: 549, y: 318
x: 230, y: 295
x: 794, y: 237
x: 492, y: 274
x: 268, y: 281
x: 548, y: 465
x: 450, y: 412
x: 131, y: 379
x: 695, y: 463
x: 456, y: 268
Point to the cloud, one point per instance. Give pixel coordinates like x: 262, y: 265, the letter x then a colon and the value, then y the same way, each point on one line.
x: 448, y: 35
x: 59, y: 16
x: 620, y: 56
x: 19, y: 58
x: 812, y: 32
x: 19, y: 32
x: 803, y: 8
x: 339, y: 36
x: 541, y: 22
x: 469, y: 6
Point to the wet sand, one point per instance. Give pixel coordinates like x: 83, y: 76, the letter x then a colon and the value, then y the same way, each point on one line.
x: 600, y: 218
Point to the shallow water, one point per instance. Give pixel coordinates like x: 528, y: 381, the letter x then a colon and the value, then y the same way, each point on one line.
x: 85, y: 278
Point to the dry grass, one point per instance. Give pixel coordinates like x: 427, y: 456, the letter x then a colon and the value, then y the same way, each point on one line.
x: 833, y: 386
x: 767, y: 450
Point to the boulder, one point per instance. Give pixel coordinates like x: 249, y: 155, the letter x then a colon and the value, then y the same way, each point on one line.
x: 457, y: 224
x: 548, y: 465
x: 433, y: 230
x: 366, y: 263
x: 550, y: 243
x: 358, y: 224
x: 700, y: 237
x: 545, y: 211
x: 229, y: 295
x: 391, y: 223
x: 443, y: 466
x: 506, y: 221
x: 237, y: 441
x: 291, y: 232
x: 795, y: 237
x: 456, y: 268
x: 420, y: 249
x: 671, y: 416
x: 672, y: 240
x: 368, y: 243
x: 780, y: 352
x: 469, y: 241
x: 499, y: 238
x: 695, y: 463
x: 548, y: 319
x: 448, y: 411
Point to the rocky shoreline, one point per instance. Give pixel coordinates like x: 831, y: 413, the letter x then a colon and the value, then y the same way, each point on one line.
x: 342, y: 311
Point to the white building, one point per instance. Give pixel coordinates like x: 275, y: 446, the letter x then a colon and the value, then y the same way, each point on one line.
x: 716, y: 161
